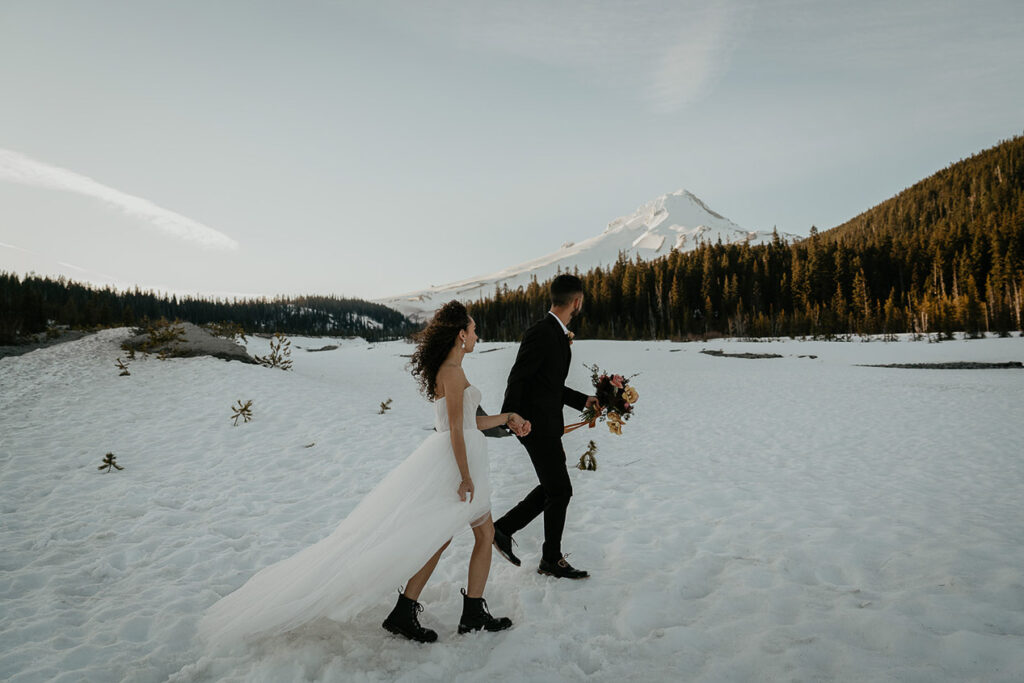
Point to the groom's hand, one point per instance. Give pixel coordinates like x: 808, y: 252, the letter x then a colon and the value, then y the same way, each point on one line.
x: 518, y: 425
x: 593, y: 403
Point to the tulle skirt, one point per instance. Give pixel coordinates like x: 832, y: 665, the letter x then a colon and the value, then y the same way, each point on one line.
x: 386, y: 539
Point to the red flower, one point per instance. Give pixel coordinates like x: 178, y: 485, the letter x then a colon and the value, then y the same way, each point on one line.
x: 617, y: 381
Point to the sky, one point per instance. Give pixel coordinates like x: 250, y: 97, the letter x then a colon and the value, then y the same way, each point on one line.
x: 366, y: 149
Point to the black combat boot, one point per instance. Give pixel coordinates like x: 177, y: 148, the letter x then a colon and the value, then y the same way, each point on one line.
x: 475, y: 616
x: 402, y: 621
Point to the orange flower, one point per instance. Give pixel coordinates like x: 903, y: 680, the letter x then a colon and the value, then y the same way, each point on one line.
x: 630, y: 394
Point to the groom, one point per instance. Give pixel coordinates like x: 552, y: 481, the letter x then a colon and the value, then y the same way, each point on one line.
x: 536, y: 390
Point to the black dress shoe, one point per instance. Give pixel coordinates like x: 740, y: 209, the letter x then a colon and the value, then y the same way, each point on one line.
x: 503, y: 542
x: 561, y: 569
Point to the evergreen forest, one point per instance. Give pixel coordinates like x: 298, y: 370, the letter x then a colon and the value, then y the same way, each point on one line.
x: 31, y: 304
x: 944, y: 255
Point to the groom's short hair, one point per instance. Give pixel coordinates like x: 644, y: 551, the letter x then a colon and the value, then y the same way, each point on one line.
x: 564, y: 288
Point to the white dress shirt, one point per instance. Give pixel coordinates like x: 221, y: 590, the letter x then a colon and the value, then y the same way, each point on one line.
x: 560, y: 323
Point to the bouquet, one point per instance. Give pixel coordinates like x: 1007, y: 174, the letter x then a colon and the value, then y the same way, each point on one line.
x: 616, y: 397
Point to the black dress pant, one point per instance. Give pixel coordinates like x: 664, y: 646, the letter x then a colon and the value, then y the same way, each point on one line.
x: 551, y: 497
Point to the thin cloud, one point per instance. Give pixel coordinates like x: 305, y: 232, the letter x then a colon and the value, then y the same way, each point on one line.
x: 18, y: 168
x: 88, y: 271
x: 666, y: 54
x: 13, y: 246
x: 45, y: 261
x: 690, y: 62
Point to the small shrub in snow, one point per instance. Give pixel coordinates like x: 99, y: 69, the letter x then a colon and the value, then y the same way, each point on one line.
x: 242, y: 411
x: 587, y: 460
x: 385, y: 406
x: 228, y: 330
x: 161, y: 335
x: 109, y: 461
x: 123, y: 367
x: 280, y: 353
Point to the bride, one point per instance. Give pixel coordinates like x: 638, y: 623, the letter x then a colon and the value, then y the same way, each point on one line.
x: 401, y: 527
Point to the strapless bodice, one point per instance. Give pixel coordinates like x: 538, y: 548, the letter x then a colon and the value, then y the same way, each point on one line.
x: 470, y: 400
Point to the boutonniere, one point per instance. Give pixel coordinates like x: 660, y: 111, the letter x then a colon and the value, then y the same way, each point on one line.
x: 571, y: 336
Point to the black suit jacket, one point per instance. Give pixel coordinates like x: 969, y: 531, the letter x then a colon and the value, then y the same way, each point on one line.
x: 536, y: 384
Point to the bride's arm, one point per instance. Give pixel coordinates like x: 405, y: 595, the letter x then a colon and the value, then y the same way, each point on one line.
x: 484, y: 422
x: 454, y: 386
x: 513, y: 421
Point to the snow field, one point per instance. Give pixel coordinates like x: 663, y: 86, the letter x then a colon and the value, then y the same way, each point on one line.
x: 780, y: 519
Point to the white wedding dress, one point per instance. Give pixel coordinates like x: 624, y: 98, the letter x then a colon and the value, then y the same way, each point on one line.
x: 386, y: 539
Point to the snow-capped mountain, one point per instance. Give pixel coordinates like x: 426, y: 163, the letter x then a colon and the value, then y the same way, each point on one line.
x: 673, y: 221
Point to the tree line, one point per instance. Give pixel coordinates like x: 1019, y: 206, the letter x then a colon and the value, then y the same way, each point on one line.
x: 31, y: 303
x: 944, y: 255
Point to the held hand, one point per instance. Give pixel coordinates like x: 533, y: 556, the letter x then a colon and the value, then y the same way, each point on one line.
x: 466, y: 487
x: 518, y: 425
x: 593, y: 403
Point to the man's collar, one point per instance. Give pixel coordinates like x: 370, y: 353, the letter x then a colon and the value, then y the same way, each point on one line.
x: 560, y: 323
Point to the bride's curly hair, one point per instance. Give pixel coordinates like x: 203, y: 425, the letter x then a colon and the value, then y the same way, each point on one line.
x: 434, y: 343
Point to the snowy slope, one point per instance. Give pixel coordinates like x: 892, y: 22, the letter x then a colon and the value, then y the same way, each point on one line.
x: 758, y: 520
x: 673, y: 221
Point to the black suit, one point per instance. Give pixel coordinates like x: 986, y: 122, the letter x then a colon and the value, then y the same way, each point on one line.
x: 536, y: 390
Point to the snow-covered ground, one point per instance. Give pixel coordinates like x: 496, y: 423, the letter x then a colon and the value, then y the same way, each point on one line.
x: 759, y: 520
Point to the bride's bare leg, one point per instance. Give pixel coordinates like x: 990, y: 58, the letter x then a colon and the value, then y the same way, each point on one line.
x: 419, y: 580
x: 480, y: 560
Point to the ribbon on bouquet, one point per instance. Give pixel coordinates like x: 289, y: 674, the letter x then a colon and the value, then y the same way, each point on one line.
x: 577, y: 425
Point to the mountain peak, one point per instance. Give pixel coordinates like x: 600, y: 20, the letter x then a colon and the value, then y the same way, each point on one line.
x: 675, y: 221
x: 686, y: 210
x: 696, y: 200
